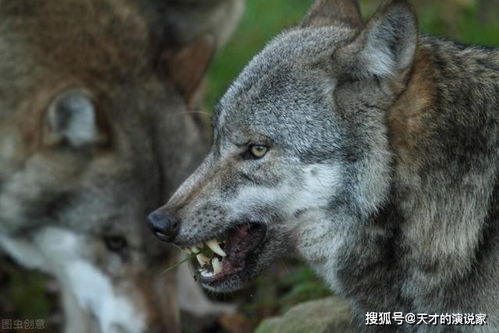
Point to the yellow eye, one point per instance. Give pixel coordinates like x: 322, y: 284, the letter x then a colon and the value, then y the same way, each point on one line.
x: 258, y: 151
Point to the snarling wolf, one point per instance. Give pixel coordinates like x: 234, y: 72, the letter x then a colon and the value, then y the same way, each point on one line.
x: 369, y: 149
x: 94, y: 129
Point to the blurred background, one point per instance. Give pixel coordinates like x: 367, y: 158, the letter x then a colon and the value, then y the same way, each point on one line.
x: 289, y: 282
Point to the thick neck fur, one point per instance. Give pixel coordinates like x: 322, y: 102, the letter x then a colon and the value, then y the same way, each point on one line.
x: 433, y: 246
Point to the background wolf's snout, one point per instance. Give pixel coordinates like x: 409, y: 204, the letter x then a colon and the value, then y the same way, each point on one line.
x: 164, y: 226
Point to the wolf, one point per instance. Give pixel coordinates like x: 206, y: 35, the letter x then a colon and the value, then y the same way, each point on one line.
x: 207, y: 15
x: 94, y: 130
x: 369, y: 149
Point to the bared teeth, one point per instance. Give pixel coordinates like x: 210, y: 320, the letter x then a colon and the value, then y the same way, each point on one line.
x: 217, y: 266
x: 215, y: 247
x: 202, y: 259
x: 194, y: 249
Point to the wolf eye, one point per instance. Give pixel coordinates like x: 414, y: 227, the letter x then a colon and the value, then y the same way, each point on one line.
x: 115, y: 243
x: 258, y: 151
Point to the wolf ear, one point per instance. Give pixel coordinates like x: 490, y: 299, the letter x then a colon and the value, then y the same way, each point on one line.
x: 385, y: 47
x: 71, y: 118
x: 329, y: 12
x: 186, y: 67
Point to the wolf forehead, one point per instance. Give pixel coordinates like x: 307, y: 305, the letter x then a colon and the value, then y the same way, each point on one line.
x: 287, y: 78
x: 290, y: 50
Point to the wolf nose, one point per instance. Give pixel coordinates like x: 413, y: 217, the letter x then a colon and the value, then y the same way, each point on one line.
x: 163, y: 225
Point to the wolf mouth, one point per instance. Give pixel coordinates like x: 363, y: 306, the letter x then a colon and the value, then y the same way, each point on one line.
x: 229, y: 254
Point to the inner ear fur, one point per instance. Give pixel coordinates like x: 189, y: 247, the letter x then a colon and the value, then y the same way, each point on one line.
x: 385, y: 47
x: 330, y: 12
x: 72, y: 119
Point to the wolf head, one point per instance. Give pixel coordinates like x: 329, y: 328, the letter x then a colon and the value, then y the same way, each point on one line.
x: 93, y: 132
x: 300, y: 145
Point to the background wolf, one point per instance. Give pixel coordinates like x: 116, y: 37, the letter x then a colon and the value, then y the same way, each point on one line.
x: 370, y: 150
x: 94, y: 130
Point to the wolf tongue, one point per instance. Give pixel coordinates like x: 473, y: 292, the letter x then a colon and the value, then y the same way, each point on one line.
x: 235, y: 246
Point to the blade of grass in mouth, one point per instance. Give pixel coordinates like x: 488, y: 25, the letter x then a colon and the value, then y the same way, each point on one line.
x: 186, y: 259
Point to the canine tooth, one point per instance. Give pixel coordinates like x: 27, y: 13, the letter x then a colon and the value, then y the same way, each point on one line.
x: 202, y: 259
x: 215, y: 247
x: 217, y: 266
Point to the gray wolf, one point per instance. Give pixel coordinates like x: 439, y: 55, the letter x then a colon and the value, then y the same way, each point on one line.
x: 94, y: 131
x: 369, y: 149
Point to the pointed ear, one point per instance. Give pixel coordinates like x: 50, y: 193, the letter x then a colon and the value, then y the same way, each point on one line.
x: 385, y: 47
x: 187, y: 66
x: 329, y: 12
x: 71, y: 118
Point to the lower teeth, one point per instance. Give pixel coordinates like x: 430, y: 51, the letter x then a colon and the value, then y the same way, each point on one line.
x: 217, y: 265
x: 202, y: 259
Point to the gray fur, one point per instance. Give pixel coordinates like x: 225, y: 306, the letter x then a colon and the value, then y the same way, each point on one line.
x: 381, y: 170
